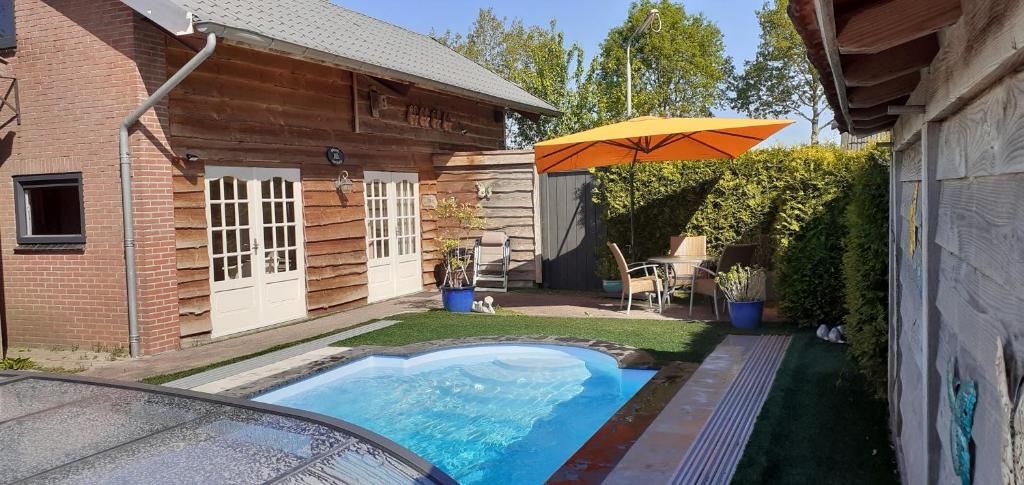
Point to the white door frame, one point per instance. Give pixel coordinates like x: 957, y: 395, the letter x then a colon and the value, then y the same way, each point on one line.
x: 276, y: 296
x: 392, y: 269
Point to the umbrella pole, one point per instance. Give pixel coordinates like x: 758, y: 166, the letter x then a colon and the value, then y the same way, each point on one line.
x: 632, y: 205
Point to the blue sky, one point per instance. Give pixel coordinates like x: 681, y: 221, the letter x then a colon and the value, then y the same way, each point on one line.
x: 586, y: 23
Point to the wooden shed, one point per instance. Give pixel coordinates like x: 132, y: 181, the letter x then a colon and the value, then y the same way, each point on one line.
x: 944, y: 76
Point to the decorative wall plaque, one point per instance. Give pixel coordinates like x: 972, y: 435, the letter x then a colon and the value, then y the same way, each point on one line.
x: 432, y: 118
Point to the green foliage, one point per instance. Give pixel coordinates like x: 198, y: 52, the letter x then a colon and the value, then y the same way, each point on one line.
x: 538, y: 60
x: 680, y: 71
x: 790, y: 201
x: 742, y: 283
x: 17, y: 363
x: 780, y: 80
x: 455, y: 220
x: 865, y: 272
x: 606, y: 267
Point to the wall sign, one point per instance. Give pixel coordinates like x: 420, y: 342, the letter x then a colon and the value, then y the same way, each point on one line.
x: 335, y: 156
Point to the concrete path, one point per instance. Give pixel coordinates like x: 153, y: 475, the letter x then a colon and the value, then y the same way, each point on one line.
x: 233, y: 375
x: 235, y: 346
x: 700, y: 435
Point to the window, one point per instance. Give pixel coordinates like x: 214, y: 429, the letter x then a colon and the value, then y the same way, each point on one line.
x: 7, y: 37
x: 49, y: 209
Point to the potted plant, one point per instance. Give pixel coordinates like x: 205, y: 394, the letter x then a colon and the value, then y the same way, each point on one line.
x: 608, y: 270
x: 455, y: 221
x: 744, y: 289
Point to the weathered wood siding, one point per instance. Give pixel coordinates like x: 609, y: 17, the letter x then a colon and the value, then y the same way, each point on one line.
x: 249, y: 107
x: 975, y: 98
x: 511, y: 207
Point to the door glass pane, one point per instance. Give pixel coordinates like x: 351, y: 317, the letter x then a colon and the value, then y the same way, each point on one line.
x: 243, y: 240
x: 243, y: 194
x: 218, y: 269
x: 291, y: 236
x: 218, y: 242
x: 268, y: 214
x: 229, y: 214
x: 246, y: 265
x: 232, y: 267
x: 279, y: 212
x: 281, y: 260
x: 292, y: 263
x: 215, y: 216
x: 215, y: 189
x: 289, y: 190
x: 229, y: 188
x: 268, y: 237
x: 290, y: 212
x: 231, y: 236
x: 279, y: 241
x: 243, y: 213
x: 266, y: 189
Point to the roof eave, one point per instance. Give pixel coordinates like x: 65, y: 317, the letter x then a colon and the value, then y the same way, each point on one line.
x: 169, y: 16
x: 253, y: 39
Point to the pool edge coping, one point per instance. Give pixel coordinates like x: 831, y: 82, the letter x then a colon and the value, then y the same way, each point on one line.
x: 626, y: 357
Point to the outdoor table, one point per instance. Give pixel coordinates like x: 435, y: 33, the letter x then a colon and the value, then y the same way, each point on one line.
x: 668, y: 261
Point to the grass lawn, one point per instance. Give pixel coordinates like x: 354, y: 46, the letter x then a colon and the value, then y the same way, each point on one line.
x: 819, y: 424
x: 665, y: 340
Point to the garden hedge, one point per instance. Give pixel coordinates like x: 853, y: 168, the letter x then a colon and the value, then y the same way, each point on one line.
x: 791, y: 201
x: 865, y: 271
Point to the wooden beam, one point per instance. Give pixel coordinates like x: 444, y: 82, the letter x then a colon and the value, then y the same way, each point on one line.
x: 486, y: 158
x: 877, y: 111
x: 824, y: 12
x: 868, y: 96
x: 871, y: 69
x: 909, y: 109
x: 878, y: 26
x: 875, y: 123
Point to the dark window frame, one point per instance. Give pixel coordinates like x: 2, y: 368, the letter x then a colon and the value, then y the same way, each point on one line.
x: 47, y: 180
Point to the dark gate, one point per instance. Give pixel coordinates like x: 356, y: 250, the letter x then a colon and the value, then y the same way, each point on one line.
x: 571, y: 226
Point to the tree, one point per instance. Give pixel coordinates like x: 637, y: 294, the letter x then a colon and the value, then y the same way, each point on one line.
x: 536, y: 59
x: 681, y: 70
x: 780, y: 80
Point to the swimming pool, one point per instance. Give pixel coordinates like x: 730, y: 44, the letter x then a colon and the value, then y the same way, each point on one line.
x: 510, y: 413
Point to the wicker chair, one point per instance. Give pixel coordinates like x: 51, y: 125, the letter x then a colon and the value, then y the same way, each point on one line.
x: 648, y: 283
x: 703, y: 281
x: 681, y: 275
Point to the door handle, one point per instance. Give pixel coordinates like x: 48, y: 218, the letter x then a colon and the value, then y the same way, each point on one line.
x: 255, y: 244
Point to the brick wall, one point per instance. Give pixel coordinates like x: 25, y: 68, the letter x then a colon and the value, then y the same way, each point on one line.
x: 76, y: 64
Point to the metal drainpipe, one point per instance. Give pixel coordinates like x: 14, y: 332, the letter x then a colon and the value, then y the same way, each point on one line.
x: 134, y: 340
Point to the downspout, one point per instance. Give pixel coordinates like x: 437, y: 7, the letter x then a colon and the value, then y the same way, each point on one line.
x: 134, y: 340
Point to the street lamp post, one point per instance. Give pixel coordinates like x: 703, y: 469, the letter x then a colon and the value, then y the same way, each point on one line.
x: 629, y: 114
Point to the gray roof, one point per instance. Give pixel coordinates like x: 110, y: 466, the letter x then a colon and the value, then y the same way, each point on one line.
x: 321, y: 30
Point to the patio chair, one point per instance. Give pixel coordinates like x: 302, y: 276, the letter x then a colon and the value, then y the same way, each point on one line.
x: 703, y: 281
x: 681, y: 275
x: 649, y: 283
x: 491, y: 257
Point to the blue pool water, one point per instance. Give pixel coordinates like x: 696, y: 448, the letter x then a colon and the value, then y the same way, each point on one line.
x: 485, y: 414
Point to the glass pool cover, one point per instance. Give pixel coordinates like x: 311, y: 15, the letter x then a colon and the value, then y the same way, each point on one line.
x: 58, y: 429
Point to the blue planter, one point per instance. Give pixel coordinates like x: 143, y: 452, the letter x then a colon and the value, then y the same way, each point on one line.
x: 746, y: 314
x: 458, y: 299
x: 612, y: 286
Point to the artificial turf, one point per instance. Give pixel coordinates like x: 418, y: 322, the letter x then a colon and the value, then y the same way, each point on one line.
x: 665, y: 340
x: 820, y: 424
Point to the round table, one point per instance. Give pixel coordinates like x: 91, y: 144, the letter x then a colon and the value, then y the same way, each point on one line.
x: 667, y: 261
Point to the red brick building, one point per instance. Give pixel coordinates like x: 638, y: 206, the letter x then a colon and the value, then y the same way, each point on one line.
x: 291, y: 174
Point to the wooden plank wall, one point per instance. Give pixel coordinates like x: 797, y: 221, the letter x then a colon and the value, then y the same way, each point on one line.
x: 510, y: 208
x: 249, y: 107
x: 980, y: 292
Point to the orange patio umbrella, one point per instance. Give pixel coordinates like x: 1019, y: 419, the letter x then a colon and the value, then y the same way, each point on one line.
x: 652, y: 139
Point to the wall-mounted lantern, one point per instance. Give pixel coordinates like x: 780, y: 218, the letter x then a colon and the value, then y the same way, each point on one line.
x: 343, y: 184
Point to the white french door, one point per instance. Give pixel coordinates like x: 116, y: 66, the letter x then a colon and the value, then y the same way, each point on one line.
x: 257, y: 270
x: 394, y: 266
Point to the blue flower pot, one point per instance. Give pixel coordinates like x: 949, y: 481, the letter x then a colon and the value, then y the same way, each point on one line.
x: 746, y: 314
x: 612, y: 286
x: 458, y: 299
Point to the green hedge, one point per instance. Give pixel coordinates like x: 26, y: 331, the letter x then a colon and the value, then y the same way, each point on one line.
x: 865, y: 271
x: 789, y: 200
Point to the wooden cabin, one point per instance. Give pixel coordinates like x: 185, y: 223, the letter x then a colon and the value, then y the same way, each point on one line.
x: 945, y: 77
x: 292, y: 174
